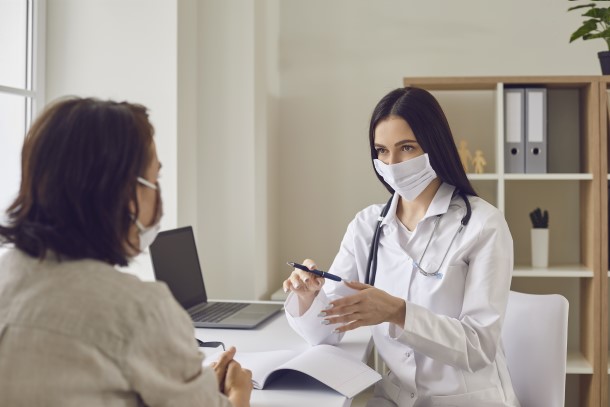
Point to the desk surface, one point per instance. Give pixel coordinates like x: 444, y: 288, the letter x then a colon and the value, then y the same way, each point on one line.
x: 276, y: 334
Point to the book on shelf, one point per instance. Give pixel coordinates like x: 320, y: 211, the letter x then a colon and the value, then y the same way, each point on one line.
x: 328, y: 364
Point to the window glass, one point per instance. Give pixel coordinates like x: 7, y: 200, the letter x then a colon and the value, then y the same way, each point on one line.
x: 12, y: 132
x: 13, y: 43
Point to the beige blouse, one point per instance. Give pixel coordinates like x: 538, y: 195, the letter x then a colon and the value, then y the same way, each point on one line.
x: 81, y: 333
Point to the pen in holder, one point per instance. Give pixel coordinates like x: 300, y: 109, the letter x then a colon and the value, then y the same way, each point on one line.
x: 540, y: 238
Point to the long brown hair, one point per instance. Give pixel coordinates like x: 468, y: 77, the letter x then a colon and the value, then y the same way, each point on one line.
x: 80, y: 162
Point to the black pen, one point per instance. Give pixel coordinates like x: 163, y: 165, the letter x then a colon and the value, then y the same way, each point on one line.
x: 318, y: 273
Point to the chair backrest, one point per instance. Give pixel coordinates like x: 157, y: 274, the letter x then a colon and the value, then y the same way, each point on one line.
x: 535, y: 339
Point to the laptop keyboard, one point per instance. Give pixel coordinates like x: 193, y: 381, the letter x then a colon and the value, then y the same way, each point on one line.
x: 218, y: 311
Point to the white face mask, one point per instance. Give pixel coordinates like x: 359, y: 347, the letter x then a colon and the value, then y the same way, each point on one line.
x: 408, y: 178
x: 147, y: 235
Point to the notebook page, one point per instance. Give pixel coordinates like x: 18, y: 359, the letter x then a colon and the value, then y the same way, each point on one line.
x: 334, y: 367
x: 262, y: 364
x: 328, y: 364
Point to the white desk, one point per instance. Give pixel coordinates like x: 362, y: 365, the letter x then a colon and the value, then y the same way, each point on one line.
x: 276, y: 334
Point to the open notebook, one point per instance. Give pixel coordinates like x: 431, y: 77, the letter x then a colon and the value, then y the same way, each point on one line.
x: 328, y: 364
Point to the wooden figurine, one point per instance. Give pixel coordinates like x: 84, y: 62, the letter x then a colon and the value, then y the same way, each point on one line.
x: 479, y: 162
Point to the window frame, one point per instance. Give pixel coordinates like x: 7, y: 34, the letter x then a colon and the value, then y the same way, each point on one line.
x: 33, y: 93
x: 34, y: 90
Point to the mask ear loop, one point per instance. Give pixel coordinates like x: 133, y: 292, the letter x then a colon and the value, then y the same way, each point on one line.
x: 158, y: 205
x: 158, y: 202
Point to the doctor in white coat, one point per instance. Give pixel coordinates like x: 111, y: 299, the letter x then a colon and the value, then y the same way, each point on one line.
x: 436, y: 299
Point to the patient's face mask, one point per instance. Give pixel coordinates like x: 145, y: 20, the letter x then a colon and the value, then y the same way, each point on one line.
x: 147, y: 235
x: 408, y: 178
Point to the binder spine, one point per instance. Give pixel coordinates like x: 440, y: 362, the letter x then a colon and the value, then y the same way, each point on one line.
x: 514, y: 130
x: 536, y: 131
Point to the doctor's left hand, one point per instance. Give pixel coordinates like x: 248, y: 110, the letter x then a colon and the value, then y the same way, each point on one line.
x: 370, y: 306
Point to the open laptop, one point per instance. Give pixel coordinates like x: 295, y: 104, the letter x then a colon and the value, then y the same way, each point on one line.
x: 175, y: 261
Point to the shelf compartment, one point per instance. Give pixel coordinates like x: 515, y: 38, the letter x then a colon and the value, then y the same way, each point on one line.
x: 486, y: 177
x: 560, y: 271
x: 549, y: 177
x: 577, y: 364
x: 472, y: 118
x: 562, y: 199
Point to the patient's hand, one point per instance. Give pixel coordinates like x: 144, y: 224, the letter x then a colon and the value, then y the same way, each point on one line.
x: 238, y: 384
x: 221, y: 366
x: 233, y: 381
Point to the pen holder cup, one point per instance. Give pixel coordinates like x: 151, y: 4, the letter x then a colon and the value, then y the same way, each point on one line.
x: 540, y: 248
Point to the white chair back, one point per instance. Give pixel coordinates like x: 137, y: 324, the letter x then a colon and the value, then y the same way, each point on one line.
x: 535, y: 339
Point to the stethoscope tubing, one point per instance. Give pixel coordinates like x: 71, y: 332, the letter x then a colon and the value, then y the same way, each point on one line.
x: 371, y: 267
x: 372, y: 259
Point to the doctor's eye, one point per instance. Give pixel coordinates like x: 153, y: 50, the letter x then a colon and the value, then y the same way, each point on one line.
x: 407, y: 148
x: 381, y: 150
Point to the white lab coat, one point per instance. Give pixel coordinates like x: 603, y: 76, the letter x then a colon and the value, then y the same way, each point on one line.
x: 450, y: 352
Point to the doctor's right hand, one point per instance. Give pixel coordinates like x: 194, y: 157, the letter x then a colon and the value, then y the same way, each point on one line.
x: 305, y: 285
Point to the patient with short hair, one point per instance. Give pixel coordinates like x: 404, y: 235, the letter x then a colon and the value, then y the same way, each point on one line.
x: 75, y: 331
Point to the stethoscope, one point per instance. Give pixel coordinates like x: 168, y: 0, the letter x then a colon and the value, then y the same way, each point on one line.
x: 371, y: 267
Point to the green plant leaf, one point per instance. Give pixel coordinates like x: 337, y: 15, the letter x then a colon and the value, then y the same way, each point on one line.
x: 581, y: 6
x: 602, y: 34
x: 597, y: 13
x: 585, y: 30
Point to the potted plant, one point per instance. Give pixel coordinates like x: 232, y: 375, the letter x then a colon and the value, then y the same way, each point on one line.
x: 596, y: 25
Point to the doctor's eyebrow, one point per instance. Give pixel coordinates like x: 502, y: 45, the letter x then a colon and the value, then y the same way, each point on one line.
x: 400, y: 143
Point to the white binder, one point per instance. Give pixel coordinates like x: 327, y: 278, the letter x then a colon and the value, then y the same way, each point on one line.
x: 535, y: 131
x: 514, y: 130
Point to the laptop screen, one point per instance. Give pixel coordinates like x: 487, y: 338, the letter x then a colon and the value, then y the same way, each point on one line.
x: 175, y: 261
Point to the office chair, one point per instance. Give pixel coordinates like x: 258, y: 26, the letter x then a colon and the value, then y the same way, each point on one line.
x: 535, y: 339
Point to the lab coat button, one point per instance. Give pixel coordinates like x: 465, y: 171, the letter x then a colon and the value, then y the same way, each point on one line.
x: 412, y: 395
x: 408, y: 354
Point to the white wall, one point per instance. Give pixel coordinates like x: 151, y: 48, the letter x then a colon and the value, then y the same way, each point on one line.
x: 123, y: 50
x: 202, y: 68
x: 234, y: 192
x: 338, y: 58
x: 261, y: 107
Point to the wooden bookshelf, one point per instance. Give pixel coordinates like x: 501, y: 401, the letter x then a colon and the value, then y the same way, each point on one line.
x: 577, y: 201
x: 603, y: 126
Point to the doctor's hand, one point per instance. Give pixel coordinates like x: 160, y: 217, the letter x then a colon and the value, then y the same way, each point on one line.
x: 305, y: 285
x: 370, y: 306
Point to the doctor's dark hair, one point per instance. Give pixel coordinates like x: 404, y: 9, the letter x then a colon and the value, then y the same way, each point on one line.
x: 426, y: 118
x: 79, y: 167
